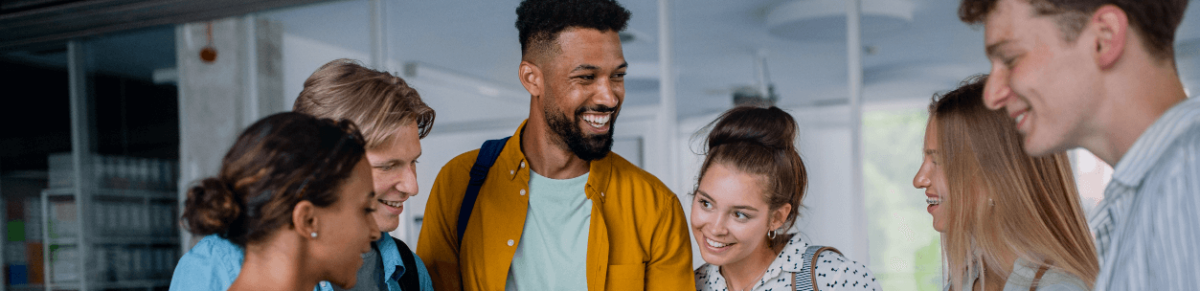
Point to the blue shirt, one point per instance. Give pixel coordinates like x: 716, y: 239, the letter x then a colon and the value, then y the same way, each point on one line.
x: 213, y: 264
x: 1148, y: 225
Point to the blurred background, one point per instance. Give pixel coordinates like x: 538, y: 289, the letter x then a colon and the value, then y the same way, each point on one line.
x: 112, y: 108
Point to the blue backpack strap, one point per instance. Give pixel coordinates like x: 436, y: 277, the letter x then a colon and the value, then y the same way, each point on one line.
x: 483, y: 163
x: 806, y: 278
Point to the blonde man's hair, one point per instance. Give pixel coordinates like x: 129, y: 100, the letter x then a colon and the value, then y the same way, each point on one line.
x: 378, y: 102
x: 1003, y: 200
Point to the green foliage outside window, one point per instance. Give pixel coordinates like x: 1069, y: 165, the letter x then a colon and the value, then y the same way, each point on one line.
x: 905, y: 249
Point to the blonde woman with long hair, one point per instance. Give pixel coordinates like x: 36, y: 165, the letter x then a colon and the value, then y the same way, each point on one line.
x: 1009, y: 221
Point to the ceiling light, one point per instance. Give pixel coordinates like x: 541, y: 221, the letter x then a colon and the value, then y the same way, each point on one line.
x: 826, y: 19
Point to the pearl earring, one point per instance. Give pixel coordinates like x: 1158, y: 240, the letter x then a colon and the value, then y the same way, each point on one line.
x: 313, y: 234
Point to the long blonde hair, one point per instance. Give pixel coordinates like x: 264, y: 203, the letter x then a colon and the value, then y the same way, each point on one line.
x: 1003, y: 199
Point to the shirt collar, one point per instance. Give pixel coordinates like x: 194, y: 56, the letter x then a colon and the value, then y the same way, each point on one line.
x: 393, y: 265
x: 1146, y: 152
x: 795, y: 248
x: 514, y: 164
x: 793, y: 251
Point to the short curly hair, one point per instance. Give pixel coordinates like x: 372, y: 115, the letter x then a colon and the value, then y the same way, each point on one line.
x: 1156, y: 20
x: 540, y: 21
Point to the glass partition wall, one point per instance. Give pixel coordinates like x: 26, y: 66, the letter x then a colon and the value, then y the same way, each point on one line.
x: 37, y: 120
x: 90, y: 164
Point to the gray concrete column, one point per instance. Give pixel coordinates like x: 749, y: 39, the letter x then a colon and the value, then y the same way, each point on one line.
x: 218, y: 99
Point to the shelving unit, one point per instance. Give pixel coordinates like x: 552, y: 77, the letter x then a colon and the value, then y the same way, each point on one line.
x: 120, y: 232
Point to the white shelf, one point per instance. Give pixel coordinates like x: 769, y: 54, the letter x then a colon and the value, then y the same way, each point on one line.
x: 110, y: 228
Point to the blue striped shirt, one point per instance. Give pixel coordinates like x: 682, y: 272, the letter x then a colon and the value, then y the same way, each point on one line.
x: 1148, y: 225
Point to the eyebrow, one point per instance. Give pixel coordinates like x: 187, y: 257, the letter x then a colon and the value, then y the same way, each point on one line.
x: 734, y: 207
x: 391, y: 161
x: 993, y: 48
x: 930, y: 152
x: 585, y: 67
x: 594, y: 67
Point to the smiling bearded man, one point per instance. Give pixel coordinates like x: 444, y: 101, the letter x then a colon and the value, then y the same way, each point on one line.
x: 551, y: 208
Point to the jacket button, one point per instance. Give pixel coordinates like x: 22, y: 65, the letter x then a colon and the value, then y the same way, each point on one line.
x: 522, y: 165
x: 510, y: 242
x: 522, y: 192
x: 512, y: 172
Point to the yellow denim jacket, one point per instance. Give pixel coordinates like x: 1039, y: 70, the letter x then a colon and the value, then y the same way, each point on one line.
x: 638, y: 238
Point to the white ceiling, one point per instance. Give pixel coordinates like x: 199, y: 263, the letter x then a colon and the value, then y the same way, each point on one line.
x: 715, y: 43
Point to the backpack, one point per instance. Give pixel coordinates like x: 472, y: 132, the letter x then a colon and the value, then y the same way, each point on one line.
x: 410, y: 279
x: 483, y: 163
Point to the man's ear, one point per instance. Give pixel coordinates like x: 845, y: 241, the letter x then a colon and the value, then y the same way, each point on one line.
x: 531, y: 78
x: 1112, y: 31
x: 304, y: 218
x: 779, y: 216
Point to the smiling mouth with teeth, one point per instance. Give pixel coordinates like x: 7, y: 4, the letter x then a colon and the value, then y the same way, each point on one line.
x: 393, y: 204
x: 933, y: 201
x: 597, y: 121
x: 718, y: 245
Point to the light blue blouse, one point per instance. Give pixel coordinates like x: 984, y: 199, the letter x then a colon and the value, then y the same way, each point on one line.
x: 214, y: 262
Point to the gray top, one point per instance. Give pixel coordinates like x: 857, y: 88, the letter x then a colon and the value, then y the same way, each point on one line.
x: 1022, y: 276
x: 370, y: 275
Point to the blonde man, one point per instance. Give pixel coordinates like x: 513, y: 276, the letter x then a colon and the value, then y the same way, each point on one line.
x: 392, y: 119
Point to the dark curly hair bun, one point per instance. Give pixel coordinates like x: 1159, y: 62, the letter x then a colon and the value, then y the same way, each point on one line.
x: 211, y: 206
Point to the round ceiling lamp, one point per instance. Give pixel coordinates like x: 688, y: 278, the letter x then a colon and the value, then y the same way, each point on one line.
x: 826, y: 19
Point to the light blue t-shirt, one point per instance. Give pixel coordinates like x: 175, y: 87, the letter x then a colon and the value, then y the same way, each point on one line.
x: 552, y: 254
x: 214, y: 262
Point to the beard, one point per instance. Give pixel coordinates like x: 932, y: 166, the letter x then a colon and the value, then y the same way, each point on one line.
x: 586, y: 147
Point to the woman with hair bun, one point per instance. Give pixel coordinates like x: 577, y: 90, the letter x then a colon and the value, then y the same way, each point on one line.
x: 750, y: 188
x: 296, y: 193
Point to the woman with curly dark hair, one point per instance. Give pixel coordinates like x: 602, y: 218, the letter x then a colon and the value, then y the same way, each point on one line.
x: 295, y: 192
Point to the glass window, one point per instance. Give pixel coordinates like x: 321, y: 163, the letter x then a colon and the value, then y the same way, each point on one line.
x: 36, y: 136
x: 905, y: 249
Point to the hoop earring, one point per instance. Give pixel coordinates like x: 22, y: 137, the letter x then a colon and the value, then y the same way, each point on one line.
x: 771, y: 234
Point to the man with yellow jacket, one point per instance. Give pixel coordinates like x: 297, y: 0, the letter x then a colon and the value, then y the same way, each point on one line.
x: 557, y: 210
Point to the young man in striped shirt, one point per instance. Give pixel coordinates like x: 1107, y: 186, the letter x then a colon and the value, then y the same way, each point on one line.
x: 1101, y: 74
